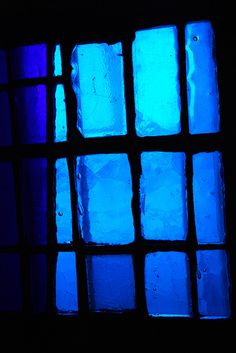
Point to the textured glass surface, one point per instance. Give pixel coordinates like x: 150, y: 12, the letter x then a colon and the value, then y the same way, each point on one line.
x: 105, y: 192
x: 60, y: 123
x: 202, y: 88
x: 66, y: 283
x: 63, y: 202
x: 33, y: 187
x: 167, y: 284
x: 30, y: 113
x: 38, y: 281
x: 156, y: 83
x: 163, y: 196
x: 10, y: 279
x: 8, y: 220
x: 57, y: 61
x: 29, y: 61
x: 213, y: 284
x: 98, y: 83
x: 208, y: 193
x: 110, y: 282
x: 5, y: 120
x: 3, y: 66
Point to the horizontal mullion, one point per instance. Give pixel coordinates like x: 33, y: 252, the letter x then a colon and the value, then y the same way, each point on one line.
x: 31, y: 82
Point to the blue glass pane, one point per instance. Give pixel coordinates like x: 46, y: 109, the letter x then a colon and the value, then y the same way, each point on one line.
x: 8, y: 219
x: 98, y: 83
x: 66, y: 283
x: 208, y: 193
x: 57, y: 61
x: 5, y: 120
x: 110, y: 282
x: 10, y: 279
x: 163, y: 194
x: 213, y: 284
x: 30, y: 114
x: 167, y: 284
x: 156, y: 83
x: 29, y: 61
x: 33, y: 183
x: 3, y: 67
x: 38, y: 281
x: 202, y: 88
x: 104, y: 181
x: 63, y: 202
x: 60, y: 123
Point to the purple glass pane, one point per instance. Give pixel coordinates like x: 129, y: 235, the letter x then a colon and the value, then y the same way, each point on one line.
x: 3, y: 67
x: 5, y: 120
x: 29, y: 61
x: 33, y: 180
x: 8, y: 221
x: 38, y: 280
x: 30, y: 114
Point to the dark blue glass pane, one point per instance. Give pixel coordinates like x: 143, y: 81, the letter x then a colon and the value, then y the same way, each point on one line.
x: 66, y: 283
x: 110, y: 282
x: 5, y: 120
x: 10, y: 279
x: 98, y: 83
x: 8, y: 219
x: 57, y: 61
x: 63, y: 202
x: 156, y: 82
x: 33, y: 182
x: 163, y: 194
x: 38, y: 281
x: 3, y: 67
x: 29, y: 61
x: 30, y: 114
x: 208, y: 192
x: 167, y: 284
x: 213, y: 284
x: 104, y: 180
x: 60, y: 121
x: 203, y: 100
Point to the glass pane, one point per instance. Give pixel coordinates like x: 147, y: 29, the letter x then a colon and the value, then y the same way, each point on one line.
x: 3, y: 67
x: 208, y: 192
x: 66, y: 283
x: 5, y: 120
x: 8, y: 219
x: 30, y: 114
x: 163, y: 194
x: 57, y: 61
x: 167, y: 284
x: 156, y: 82
x: 38, y: 280
x: 98, y: 83
x: 10, y: 279
x: 29, y: 61
x: 105, y: 180
x: 60, y: 123
x: 33, y: 182
x: 202, y: 88
x: 63, y: 202
x: 213, y: 284
x: 110, y: 282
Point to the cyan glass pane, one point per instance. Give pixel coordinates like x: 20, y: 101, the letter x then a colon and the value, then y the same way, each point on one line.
x: 202, y: 88
x: 29, y: 61
x: 63, y: 202
x: 98, y: 83
x: 57, y: 61
x: 213, y: 284
x: 60, y: 123
x: 167, y: 284
x: 105, y: 192
x: 208, y: 194
x: 163, y: 196
x: 66, y: 283
x: 38, y: 281
x: 3, y: 66
x: 30, y: 113
x: 110, y: 282
x: 156, y: 82
x: 10, y: 279
x: 33, y: 185
x: 5, y: 120
x: 8, y: 219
